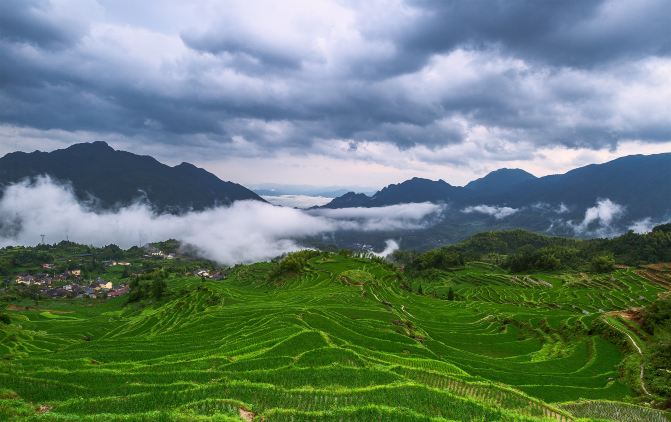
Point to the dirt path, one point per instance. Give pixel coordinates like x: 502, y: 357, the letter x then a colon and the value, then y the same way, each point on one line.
x: 13, y: 307
x: 640, y: 352
x: 246, y: 415
x: 409, y: 314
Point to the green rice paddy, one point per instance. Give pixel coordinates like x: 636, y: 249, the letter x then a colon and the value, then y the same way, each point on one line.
x: 341, y: 341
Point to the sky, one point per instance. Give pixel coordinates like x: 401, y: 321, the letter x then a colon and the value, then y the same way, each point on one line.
x: 340, y: 93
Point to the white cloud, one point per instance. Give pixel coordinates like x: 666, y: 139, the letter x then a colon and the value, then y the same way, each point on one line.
x: 645, y: 225
x: 494, y: 211
x: 642, y: 226
x: 246, y: 231
x: 544, y: 206
x: 598, y: 218
x: 604, y: 212
x: 391, y: 246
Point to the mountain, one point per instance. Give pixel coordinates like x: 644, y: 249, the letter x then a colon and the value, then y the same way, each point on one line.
x: 413, y: 190
x: 642, y: 183
x: 276, y: 189
x: 349, y: 200
x: 597, y: 200
x: 118, y: 178
x: 499, y: 180
x: 425, y: 190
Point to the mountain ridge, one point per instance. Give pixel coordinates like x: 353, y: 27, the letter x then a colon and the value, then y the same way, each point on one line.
x: 503, y: 178
x: 641, y: 183
x: 119, y: 178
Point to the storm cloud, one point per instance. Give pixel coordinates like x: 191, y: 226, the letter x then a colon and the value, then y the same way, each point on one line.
x: 444, y: 82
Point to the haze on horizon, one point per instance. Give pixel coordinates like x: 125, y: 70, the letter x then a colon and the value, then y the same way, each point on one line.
x: 340, y: 93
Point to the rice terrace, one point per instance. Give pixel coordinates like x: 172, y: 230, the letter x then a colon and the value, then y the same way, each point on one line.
x: 344, y: 337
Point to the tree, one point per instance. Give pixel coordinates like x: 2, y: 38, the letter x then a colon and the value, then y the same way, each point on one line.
x: 450, y: 293
x: 34, y: 293
x: 528, y: 258
x: 136, y: 290
x: 158, y: 288
x: 658, y: 314
x: 602, y: 264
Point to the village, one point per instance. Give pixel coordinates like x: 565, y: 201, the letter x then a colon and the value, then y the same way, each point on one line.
x: 47, y: 280
x: 70, y: 284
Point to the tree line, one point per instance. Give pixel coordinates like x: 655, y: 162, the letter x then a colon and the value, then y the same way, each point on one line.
x: 523, y: 251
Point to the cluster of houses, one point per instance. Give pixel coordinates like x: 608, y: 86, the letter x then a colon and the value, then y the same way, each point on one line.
x: 44, y: 279
x: 70, y: 285
x: 114, y: 263
x: 153, y: 252
x: 212, y: 275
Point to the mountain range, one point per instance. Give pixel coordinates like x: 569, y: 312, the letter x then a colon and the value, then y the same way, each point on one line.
x: 112, y: 178
x: 589, y: 201
x: 641, y: 183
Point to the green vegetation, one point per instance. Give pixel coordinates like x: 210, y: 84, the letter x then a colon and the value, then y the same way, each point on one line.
x: 656, y: 322
x: 336, y: 336
x: 291, y: 264
x: 523, y: 251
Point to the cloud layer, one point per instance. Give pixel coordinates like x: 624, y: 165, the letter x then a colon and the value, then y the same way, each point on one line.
x: 246, y: 231
x: 392, y: 217
x: 472, y: 84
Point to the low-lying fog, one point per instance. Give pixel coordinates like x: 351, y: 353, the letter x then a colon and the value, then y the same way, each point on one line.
x: 249, y: 231
x: 246, y: 231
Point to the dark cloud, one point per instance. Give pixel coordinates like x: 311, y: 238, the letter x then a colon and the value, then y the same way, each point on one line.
x: 243, y: 50
x: 33, y: 22
x: 562, y: 33
x: 433, y: 74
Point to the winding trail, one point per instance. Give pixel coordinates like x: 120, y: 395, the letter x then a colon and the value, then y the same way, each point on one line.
x: 409, y: 314
x: 638, y: 349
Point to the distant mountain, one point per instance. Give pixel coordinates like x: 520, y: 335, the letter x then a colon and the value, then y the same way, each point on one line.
x: 499, y: 180
x: 639, y: 184
x: 642, y: 183
x: 276, y: 189
x: 425, y: 190
x: 117, y: 178
x: 413, y: 190
x: 349, y: 200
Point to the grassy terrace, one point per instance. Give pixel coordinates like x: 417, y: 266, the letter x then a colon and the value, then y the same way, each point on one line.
x: 340, y: 341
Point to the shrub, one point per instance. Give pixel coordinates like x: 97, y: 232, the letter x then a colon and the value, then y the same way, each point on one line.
x: 435, y: 259
x: 658, y: 314
x: 292, y: 263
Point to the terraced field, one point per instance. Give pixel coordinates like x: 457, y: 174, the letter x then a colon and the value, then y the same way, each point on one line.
x: 341, y: 341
